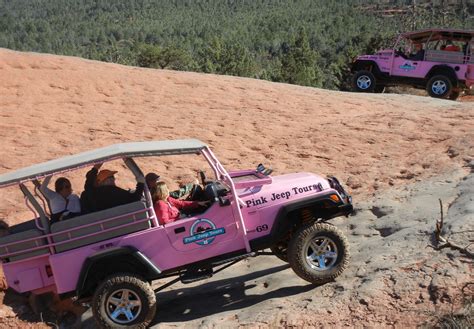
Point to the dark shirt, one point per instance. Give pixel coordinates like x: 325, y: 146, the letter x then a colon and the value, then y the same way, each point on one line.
x: 95, y: 198
x: 419, y: 56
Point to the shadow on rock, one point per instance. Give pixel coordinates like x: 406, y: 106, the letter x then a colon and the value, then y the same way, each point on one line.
x: 20, y: 306
x: 47, y: 308
x: 186, y: 304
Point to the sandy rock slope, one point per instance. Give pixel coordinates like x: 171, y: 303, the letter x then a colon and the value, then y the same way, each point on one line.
x: 396, y: 153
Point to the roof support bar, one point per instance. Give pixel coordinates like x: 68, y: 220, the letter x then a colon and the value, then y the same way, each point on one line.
x: 132, y: 165
x: 37, y: 207
x: 42, y: 197
x: 224, y: 175
x: 137, y: 172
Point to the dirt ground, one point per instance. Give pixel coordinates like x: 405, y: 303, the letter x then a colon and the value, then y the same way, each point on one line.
x: 378, y: 145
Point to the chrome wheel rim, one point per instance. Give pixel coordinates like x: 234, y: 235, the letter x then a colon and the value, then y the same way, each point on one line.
x: 320, y: 253
x: 439, y: 87
x: 364, y: 82
x: 123, y: 306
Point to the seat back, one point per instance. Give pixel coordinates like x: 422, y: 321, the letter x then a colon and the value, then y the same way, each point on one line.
x: 21, y: 227
x: 17, y: 237
x: 455, y: 57
x: 96, y: 218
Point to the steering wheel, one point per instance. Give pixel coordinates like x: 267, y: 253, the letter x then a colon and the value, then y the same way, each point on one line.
x: 400, y: 53
x: 196, y: 194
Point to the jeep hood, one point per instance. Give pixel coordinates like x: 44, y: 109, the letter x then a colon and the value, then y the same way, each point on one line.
x: 284, y: 187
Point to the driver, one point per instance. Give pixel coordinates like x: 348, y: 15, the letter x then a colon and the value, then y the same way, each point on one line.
x: 185, y: 190
x: 167, y: 208
x: 419, y: 52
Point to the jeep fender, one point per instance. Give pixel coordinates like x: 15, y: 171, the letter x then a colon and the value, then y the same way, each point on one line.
x: 114, y: 260
x: 445, y: 70
x: 366, y: 65
x: 289, y: 218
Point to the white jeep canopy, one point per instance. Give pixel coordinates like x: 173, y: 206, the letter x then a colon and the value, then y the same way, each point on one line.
x: 117, y: 151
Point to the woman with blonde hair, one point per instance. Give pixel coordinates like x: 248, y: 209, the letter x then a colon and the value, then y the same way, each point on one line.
x: 167, y: 208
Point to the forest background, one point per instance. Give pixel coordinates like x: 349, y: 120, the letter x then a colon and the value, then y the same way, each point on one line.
x: 304, y: 42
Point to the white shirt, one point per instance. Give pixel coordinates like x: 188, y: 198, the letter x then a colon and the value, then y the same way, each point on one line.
x: 56, y: 200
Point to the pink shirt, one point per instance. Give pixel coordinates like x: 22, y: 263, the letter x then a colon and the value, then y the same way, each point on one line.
x: 168, y: 211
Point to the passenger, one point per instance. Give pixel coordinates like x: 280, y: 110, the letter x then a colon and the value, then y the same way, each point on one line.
x: 419, y: 52
x: 451, y: 47
x: 100, y: 191
x: 167, y: 208
x: 185, y: 190
x: 64, y: 204
x: 88, y: 202
x: 151, y: 179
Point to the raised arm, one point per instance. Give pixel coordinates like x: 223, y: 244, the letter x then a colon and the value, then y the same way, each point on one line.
x: 91, y: 177
x: 44, y: 188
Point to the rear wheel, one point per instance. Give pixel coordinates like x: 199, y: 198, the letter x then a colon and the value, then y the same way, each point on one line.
x: 439, y: 86
x: 124, y: 301
x: 318, y: 253
x: 363, y: 81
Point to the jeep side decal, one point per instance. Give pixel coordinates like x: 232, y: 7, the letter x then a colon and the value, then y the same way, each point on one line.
x: 407, y: 66
x: 203, y: 232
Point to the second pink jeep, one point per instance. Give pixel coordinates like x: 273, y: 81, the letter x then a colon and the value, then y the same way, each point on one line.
x: 438, y: 60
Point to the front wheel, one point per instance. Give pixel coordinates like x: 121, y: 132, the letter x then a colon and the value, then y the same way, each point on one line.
x: 439, y: 86
x: 318, y: 253
x: 363, y: 81
x: 124, y: 301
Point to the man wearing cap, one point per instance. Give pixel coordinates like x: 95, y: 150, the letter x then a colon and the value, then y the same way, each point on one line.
x: 100, y: 191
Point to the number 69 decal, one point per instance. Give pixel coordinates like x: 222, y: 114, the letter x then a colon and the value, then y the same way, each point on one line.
x: 262, y: 228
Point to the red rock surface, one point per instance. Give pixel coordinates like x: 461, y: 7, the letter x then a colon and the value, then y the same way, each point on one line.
x: 54, y: 106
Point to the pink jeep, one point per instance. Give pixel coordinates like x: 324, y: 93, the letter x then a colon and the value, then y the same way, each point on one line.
x: 112, y: 256
x: 439, y: 60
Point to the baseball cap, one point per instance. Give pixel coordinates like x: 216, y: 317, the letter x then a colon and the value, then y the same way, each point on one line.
x: 104, y: 174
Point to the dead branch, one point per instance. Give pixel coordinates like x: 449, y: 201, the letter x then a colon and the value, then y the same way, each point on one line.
x: 445, y: 243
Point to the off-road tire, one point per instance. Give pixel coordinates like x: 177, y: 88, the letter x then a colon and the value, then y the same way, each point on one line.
x: 130, y: 282
x: 363, y: 81
x: 439, y: 86
x: 297, y: 252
